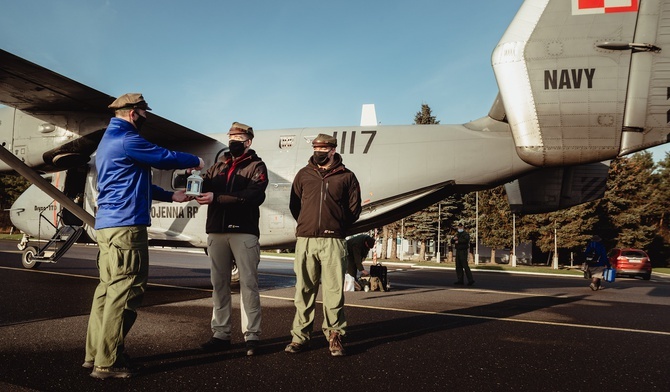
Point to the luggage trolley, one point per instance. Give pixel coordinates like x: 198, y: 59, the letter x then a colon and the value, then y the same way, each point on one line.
x: 62, y: 240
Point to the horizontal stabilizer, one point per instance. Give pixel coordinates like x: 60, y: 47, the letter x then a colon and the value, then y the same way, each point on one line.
x: 552, y: 189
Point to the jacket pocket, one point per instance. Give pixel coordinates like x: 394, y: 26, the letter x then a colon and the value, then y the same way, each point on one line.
x: 252, y: 243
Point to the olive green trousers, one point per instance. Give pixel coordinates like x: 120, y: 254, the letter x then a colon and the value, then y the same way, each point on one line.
x: 123, y: 265
x: 319, y: 261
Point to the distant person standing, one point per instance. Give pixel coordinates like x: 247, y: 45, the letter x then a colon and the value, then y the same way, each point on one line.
x: 124, y: 160
x: 325, y: 201
x: 358, y: 248
x: 234, y: 189
x: 597, y: 260
x: 461, y: 242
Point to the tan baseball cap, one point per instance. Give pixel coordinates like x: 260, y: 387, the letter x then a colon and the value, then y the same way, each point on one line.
x: 130, y: 101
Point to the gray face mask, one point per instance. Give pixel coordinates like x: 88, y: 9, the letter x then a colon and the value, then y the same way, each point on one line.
x: 320, y: 157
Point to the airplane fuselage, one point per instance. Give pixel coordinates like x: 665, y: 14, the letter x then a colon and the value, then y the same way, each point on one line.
x: 395, y: 165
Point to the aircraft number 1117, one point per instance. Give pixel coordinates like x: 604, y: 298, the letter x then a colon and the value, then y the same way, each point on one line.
x: 342, y: 141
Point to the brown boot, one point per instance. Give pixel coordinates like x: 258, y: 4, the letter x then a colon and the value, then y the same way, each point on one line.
x: 336, y: 348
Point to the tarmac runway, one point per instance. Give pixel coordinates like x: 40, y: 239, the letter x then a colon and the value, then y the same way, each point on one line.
x: 507, y: 332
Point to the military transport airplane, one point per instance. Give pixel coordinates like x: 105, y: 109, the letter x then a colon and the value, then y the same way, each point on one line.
x: 580, y: 83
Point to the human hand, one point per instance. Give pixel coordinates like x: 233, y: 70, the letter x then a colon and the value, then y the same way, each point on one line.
x: 180, y: 196
x: 205, y: 198
x: 201, y: 164
x: 365, y: 273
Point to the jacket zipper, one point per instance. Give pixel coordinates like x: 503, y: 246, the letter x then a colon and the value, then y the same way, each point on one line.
x: 323, y: 195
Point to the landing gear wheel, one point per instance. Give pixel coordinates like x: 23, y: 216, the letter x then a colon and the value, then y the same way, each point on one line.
x: 28, y: 258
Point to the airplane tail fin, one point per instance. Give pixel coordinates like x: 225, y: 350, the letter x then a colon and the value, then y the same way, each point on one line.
x: 583, y: 83
x: 368, y: 115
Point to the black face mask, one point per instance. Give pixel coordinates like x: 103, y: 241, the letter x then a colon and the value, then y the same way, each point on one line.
x: 321, y: 157
x: 139, y: 122
x: 236, y: 148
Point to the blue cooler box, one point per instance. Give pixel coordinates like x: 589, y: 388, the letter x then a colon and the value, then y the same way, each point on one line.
x: 609, y: 274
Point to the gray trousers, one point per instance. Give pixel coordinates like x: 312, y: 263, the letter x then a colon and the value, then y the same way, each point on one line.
x: 223, y: 248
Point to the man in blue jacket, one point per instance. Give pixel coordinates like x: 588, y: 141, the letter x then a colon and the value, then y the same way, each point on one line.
x: 124, y: 160
x: 597, y: 261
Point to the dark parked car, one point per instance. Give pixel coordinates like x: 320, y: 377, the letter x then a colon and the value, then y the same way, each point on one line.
x: 630, y: 262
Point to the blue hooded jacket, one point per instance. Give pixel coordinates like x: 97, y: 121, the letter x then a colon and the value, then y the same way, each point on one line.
x: 602, y: 259
x: 124, y: 160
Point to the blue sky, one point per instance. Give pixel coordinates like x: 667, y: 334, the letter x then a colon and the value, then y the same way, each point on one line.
x: 271, y: 64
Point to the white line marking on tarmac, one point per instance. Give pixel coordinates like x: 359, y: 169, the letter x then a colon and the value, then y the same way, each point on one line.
x: 49, y: 272
x: 96, y: 278
x: 506, y: 319
x: 414, y: 311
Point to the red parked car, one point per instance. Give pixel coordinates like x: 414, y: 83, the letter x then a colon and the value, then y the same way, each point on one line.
x: 630, y: 262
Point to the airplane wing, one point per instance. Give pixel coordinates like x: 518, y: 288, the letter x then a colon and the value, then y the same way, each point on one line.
x: 80, y: 110
x: 66, y: 103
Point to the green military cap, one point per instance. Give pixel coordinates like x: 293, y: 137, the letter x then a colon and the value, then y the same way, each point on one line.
x: 241, y: 129
x: 323, y: 140
x: 130, y: 101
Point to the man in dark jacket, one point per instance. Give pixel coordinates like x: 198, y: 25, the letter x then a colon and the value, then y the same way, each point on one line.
x: 597, y: 260
x: 124, y: 160
x: 462, y: 245
x: 234, y: 190
x: 358, y: 248
x: 325, y: 201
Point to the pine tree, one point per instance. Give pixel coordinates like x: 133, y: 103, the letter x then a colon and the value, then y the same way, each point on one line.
x: 659, y: 249
x: 422, y: 226
x: 661, y: 196
x: 425, y: 116
x: 393, y: 229
x: 568, y: 229
x: 629, y: 200
x: 10, y: 189
x: 495, y: 220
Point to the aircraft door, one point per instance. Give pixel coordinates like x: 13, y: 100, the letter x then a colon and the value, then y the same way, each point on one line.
x: 75, y: 182
x: 90, y: 198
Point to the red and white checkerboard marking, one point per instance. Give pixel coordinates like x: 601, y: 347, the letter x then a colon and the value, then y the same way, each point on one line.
x: 586, y: 7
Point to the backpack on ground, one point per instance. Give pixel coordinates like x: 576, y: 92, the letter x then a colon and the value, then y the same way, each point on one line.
x: 381, y: 272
